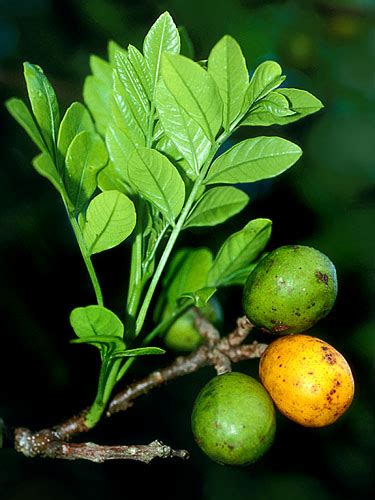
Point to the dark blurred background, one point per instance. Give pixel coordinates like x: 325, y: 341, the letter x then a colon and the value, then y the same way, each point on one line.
x: 327, y: 201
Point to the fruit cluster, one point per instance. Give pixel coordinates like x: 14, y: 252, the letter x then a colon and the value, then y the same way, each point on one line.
x: 311, y: 383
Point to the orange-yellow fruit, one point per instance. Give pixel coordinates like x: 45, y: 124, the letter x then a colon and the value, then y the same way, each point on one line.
x: 309, y: 381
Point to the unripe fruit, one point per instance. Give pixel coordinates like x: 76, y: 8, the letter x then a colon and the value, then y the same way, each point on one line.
x: 309, y: 381
x: 291, y: 289
x: 233, y: 419
x: 182, y: 336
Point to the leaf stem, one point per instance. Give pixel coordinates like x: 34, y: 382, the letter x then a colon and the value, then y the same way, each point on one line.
x: 161, y: 327
x: 107, y: 381
x: 87, y: 259
x: 135, y: 279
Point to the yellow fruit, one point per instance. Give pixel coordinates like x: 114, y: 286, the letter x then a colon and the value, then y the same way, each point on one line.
x: 309, y: 381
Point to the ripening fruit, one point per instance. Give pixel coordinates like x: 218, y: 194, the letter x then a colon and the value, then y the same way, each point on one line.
x: 182, y: 336
x: 233, y: 419
x: 291, y: 289
x: 309, y: 381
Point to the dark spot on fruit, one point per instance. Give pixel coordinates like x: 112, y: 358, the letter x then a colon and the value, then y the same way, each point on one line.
x: 310, y: 373
x: 280, y: 366
x: 324, y: 348
x: 330, y: 358
x: 278, y: 357
x: 329, y: 398
x: 322, y: 277
x: 337, y: 383
x: 332, y: 391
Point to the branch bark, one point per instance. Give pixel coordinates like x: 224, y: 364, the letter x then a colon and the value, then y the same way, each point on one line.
x: 217, y: 352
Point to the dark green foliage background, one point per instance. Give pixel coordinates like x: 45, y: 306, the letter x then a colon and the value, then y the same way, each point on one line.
x: 327, y: 201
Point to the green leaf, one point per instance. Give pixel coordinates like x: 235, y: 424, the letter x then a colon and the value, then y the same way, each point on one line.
x: 44, y: 165
x: 44, y: 104
x: 97, y: 98
x: 216, y: 206
x: 138, y: 62
x: 111, y: 179
x: 134, y: 91
x: 239, y: 251
x: 301, y: 102
x: 188, y: 137
x: 266, y: 77
x: 124, y: 115
x: 114, y: 47
x: 86, y: 155
x: 97, y: 92
x: 91, y: 321
x: 240, y: 276
x: 187, y: 48
x: 187, y: 273
x: 254, y: 160
x: 100, y: 341
x: 18, y: 109
x: 75, y: 120
x: 271, y: 110
x: 157, y: 180
x: 120, y: 148
x: 101, y: 70
x: 195, y: 91
x: 139, y: 351
x: 110, y: 219
x: 227, y: 66
x: 162, y: 37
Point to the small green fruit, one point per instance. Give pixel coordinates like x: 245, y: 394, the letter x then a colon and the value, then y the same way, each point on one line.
x: 233, y: 419
x: 182, y: 336
x: 290, y: 290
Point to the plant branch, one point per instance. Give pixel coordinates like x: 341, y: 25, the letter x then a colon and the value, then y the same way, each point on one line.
x: 87, y: 259
x: 44, y: 445
x: 53, y: 443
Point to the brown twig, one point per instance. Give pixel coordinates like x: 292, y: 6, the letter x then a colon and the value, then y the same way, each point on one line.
x: 219, y: 353
x: 44, y: 445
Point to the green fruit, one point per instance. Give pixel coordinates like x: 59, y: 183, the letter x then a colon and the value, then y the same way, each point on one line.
x: 233, y: 419
x: 182, y: 336
x: 291, y: 289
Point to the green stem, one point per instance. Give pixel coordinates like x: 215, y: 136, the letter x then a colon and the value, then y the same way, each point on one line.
x: 87, y: 260
x: 174, y: 235
x: 107, y: 381
x: 135, y: 279
x: 161, y: 327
